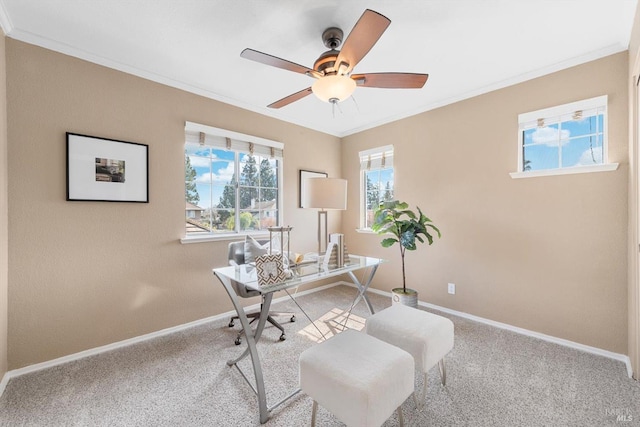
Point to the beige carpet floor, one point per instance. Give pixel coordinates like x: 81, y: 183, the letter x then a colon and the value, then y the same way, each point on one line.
x: 494, y: 378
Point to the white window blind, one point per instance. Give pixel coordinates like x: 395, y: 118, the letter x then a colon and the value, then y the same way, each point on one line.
x: 376, y: 158
x: 572, y: 111
x: 575, y: 115
x: 221, y: 138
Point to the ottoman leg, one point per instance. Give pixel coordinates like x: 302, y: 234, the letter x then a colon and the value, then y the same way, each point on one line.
x: 314, y: 408
x: 423, y: 396
x: 400, y: 418
x: 443, y: 372
x: 443, y: 379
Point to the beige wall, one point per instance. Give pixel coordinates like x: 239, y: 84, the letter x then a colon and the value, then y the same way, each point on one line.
x: 86, y: 274
x: 634, y: 285
x: 4, y: 241
x: 548, y: 254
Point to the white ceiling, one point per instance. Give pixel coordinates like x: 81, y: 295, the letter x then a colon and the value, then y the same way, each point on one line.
x: 468, y: 47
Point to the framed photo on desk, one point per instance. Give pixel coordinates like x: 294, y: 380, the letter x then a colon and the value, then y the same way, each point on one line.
x: 270, y: 269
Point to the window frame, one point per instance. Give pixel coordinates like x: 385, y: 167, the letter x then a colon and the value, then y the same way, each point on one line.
x: 373, y: 157
x: 207, y: 132
x: 524, y: 123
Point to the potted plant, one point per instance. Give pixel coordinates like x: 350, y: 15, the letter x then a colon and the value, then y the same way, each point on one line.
x: 395, y: 217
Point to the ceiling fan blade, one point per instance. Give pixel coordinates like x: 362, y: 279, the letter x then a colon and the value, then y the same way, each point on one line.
x: 291, y: 98
x: 364, y: 35
x: 274, y: 61
x: 391, y: 80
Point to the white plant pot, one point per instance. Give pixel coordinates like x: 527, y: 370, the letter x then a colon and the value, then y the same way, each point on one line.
x: 408, y: 298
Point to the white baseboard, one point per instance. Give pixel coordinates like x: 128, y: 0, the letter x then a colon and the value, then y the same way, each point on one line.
x: 113, y: 346
x: 120, y: 344
x: 594, y: 350
x: 4, y: 382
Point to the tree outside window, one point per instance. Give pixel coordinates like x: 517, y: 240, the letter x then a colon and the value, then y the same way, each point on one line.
x: 376, y: 167
x: 222, y: 182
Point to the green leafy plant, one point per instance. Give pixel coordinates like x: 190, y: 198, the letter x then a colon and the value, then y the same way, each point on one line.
x: 395, y: 217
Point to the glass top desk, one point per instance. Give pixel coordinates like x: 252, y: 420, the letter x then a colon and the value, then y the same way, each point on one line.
x: 236, y: 279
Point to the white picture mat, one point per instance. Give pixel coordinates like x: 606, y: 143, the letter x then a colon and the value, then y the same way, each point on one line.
x: 304, y: 175
x: 82, y: 184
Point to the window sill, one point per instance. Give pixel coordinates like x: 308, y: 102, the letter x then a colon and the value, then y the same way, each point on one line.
x: 566, y: 171
x: 365, y: 231
x: 219, y: 238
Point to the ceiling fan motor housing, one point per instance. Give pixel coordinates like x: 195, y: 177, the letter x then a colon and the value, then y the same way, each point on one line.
x: 326, y: 62
x: 332, y: 38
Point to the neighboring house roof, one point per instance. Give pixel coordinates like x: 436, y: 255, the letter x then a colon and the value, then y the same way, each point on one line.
x: 192, y: 207
x: 266, y: 205
x: 194, y: 227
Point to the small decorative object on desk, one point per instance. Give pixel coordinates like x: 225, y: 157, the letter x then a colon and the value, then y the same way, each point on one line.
x: 339, y: 256
x: 270, y: 269
x: 280, y: 240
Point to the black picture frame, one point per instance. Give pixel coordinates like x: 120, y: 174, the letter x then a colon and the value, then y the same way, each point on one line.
x: 106, y: 170
x: 305, y: 174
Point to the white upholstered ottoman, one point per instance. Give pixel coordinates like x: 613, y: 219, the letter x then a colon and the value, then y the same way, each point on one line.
x: 426, y: 336
x: 358, y: 378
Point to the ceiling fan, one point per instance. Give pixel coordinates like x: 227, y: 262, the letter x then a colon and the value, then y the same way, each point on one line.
x: 332, y: 70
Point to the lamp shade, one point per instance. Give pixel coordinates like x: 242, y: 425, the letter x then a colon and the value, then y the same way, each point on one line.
x: 326, y: 193
x: 333, y: 88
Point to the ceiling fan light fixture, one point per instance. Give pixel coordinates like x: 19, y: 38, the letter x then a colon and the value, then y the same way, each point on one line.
x: 333, y: 69
x: 333, y: 88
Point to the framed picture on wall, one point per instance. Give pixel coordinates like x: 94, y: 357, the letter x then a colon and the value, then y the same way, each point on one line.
x: 106, y: 170
x: 303, y: 176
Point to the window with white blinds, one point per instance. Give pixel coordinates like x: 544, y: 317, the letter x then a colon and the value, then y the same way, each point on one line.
x: 569, y: 138
x: 232, y: 182
x: 376, y: 171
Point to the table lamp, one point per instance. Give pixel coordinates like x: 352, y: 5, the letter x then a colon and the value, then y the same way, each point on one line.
x: 325, y: 194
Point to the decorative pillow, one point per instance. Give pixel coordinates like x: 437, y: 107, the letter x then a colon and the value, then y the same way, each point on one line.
x: 253, y: 249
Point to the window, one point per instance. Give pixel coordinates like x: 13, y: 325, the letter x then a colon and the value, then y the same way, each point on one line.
x: 232, y: 182
x: 376, y: 168
x: 569, y: 138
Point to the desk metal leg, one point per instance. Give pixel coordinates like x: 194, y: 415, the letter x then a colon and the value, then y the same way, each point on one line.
x: 362, y: 289
x: 251, y: 339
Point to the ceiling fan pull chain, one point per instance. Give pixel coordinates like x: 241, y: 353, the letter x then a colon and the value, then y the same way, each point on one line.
x: 334, y: 104
x: 356, y: 102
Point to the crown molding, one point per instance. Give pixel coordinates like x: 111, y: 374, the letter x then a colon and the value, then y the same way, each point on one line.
x: 5, y: 21
x: 69, y: 50
x: 559, y: 66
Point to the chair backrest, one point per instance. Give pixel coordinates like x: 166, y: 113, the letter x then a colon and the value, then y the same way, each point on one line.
x: 236, y: 253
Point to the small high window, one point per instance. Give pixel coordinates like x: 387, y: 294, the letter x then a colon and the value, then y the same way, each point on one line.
x: 569, y: 138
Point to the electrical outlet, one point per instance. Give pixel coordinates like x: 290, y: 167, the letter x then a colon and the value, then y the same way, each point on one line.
x: 451, y: 288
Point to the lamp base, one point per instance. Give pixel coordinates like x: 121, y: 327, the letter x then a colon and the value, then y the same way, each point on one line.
x: 322, y: 235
